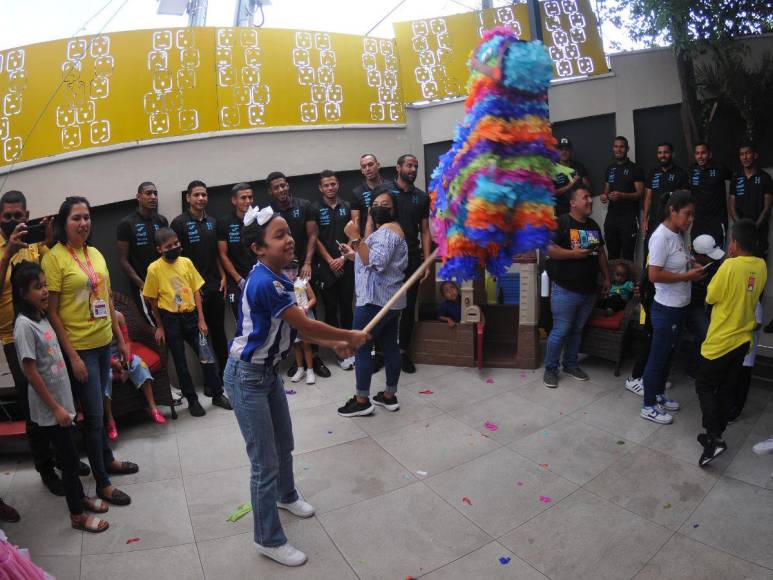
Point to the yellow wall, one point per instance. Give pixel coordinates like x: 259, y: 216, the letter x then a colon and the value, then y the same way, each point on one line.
x: 572, y: 37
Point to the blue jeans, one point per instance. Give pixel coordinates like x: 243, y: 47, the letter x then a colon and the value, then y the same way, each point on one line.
x: 385, y: 335
x: 258, y: 397
x: 97, y: 361
x: 570, y: 313
x: 667, y: 324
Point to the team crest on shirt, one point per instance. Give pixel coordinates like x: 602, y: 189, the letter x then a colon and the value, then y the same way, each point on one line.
x: 279, y: 287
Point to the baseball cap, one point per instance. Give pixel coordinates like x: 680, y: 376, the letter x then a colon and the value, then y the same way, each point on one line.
x: 705, y: 244
x: 564, y: 143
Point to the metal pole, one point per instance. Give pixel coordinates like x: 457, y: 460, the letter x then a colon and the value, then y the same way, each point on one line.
x: 243, y: 16
x: 535, y: 19
x: 197, y: 13
x: 486, y: 4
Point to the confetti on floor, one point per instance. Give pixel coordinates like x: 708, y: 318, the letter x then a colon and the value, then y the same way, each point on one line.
x: 621, y: 442
x: 545, y: 499
x: 466, y: 500
x: 329, y: 432
x: 133, y: 540
x: 544, y: 465
x: 667, y: 505
x: 291, y: 392
x: 422, y: 473
x: 239, y: 512
x: 427, y: 392
x: 490, y: 381
x: 490, y: 426
x: 695, y: 525
x: 504, y: 560
x: 519, y: 483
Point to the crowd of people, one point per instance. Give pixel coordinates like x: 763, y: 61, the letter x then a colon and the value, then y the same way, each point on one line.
x: 66, y: 343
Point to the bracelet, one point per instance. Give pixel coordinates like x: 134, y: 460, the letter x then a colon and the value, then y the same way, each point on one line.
x: 354, y: 243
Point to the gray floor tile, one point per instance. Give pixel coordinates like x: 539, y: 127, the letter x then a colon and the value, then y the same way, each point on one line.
x: 657, y: 487
x: 7, y: 471
x: 412, y: 522
x: 212, y: 497
x: 60, y: 567
x: 158, y: 458
x: 45, y: 524
x: 503, y: 490
x: 211, y: 450
x: 573, y: 449
x: 236, y: 557
x: 586, y: 537
x: 344, y: 474
x: 514, y: 417
x: 413, y: 407
x: 25, y: 478
x: 749, y: 467
x: 215, y: 417
x: 568, y: 397
x: 618, y: 413
x: 685, y: 559
x: 178, y: 562
x: 158, y: 515
x: 464, y: 386
x: 321, y: 427
x: 735, y: 518
x: 434, y: 445
x: 485, y: 563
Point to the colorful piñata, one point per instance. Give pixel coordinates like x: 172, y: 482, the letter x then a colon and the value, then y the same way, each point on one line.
x: 492, y: 193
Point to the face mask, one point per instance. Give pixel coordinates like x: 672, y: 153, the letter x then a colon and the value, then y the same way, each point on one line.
x: 381, y: 215
x: 8, y: 228
x: 173, y: 254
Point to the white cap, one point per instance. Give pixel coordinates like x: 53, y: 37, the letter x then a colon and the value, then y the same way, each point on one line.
x: 705, y: 244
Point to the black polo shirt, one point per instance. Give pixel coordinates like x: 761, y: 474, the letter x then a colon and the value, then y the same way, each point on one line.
x: 139, y: 232
x: 749, y: 193
x: 362, y: 199
x: 412, y: 209
x: 663, y: 183
x: 229, y: 230
x: 199, y: 242
x: 296, y: 215
x: 708, y: 188
x: 622, y: 177
x: 331, y: 222
x: 561, y: 179
x: 579, y: 275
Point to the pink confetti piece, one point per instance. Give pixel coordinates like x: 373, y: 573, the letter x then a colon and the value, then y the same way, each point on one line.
x: 490, y: 381
x: 133, y: 540
x: 518, y: 483
x: 291, y: 392
x: 466, y: 500
x: 544, y: 465
x: 545, y: 499
x: 427, y: 392
x: 490, y: 426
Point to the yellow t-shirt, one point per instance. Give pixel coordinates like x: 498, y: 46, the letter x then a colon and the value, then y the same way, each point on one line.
x: 63, y: 275
x: 31, y: 253
x: 734, y: 293
x: 173, y: 285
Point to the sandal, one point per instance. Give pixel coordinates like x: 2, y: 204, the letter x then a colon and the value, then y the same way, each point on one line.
x: 126, y: 468
x: 156, y: 415
x: 116, y: 498
x: 91, y: 524
x: 95, y: 505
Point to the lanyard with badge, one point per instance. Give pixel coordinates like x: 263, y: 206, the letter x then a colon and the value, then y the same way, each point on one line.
x: 97, y: 306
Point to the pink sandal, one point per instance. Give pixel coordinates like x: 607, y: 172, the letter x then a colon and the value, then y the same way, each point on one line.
x: 112, y: 431
x: 156, y: 415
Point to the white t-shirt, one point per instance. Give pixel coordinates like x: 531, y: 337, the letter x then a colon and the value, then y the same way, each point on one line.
x: 669, y: 251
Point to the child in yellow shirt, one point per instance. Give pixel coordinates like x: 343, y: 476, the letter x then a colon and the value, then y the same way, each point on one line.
x: 172, y: 286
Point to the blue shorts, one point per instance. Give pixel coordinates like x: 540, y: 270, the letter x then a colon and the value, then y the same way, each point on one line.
x: 138, y: 374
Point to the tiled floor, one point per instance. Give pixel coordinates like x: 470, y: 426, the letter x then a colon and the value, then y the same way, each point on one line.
x: 570, y: 484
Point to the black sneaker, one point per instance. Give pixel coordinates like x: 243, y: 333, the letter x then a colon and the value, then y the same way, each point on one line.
x: 577, y: 373
x: 390, y: 404
x: 408, y: 366
x: 222, y: 401
x: 292, y: 370
x: 52, y: 481
x: 355, y: 409
x: 195, y: 408
x: 320, y: 368
x: 550, y: 378
x: 712, y: 448
x: 378, y: 362
x: 83, y: 469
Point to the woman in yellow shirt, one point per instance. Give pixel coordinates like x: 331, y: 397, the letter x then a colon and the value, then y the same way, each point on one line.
x: 81, y: 312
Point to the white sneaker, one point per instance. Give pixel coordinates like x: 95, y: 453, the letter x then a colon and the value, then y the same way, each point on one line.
x: 636, y: 386
x: 669, y: 385
x: 347, y: 363
x: 310, y: 378
x: 284, y: 554
x: 656, y: 415
x: 298, y: 375
x: 300, y: 507
x: 764, y: 447
x: 668, y: 404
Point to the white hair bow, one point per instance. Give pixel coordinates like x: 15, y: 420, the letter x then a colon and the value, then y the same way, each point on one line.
x: 255, y: 214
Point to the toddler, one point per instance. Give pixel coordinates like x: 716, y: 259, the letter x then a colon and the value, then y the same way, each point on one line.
x: 620, y: 292
x: 306, y: 300
x: 450, y: 310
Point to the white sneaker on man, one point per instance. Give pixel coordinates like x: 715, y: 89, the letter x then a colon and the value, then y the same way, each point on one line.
x: 764, y: 447
x: 284, y: 554
x: 298, y: 375
x: 300, y: 507
x: 656, y: 415
x: 636, y: 386
x: 347, y: 363
x: 310, y: 378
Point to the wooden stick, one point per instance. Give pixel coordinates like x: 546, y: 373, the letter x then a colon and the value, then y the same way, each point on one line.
x: 393, y: 300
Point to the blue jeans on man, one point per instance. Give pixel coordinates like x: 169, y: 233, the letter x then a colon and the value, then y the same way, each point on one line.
x: 570, y: 313
x: 260, y: 404
x: 667, y: 324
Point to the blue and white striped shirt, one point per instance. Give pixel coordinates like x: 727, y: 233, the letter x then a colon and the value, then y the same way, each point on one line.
x: 261, y: 336
x: 377, y: 282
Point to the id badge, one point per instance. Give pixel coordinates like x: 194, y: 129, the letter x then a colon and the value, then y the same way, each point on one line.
x: 98, y: 308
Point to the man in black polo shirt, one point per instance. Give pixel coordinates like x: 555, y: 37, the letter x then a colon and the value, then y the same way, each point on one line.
x: 198, y: 236
x: 136, y: 245
x: 661, y: 183
x: 751, y: 196
x: 413, y: 217
x: 623, y: 189
x: 571, y: 175
x: 707, y: 185
x: 362, y: 197
x: 299, y: 215
x: 236, y: 259
x: 334, y: 274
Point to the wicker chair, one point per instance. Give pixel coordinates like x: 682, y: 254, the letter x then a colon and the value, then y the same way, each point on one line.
x: 609, y: 343
x: 127, y: 398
